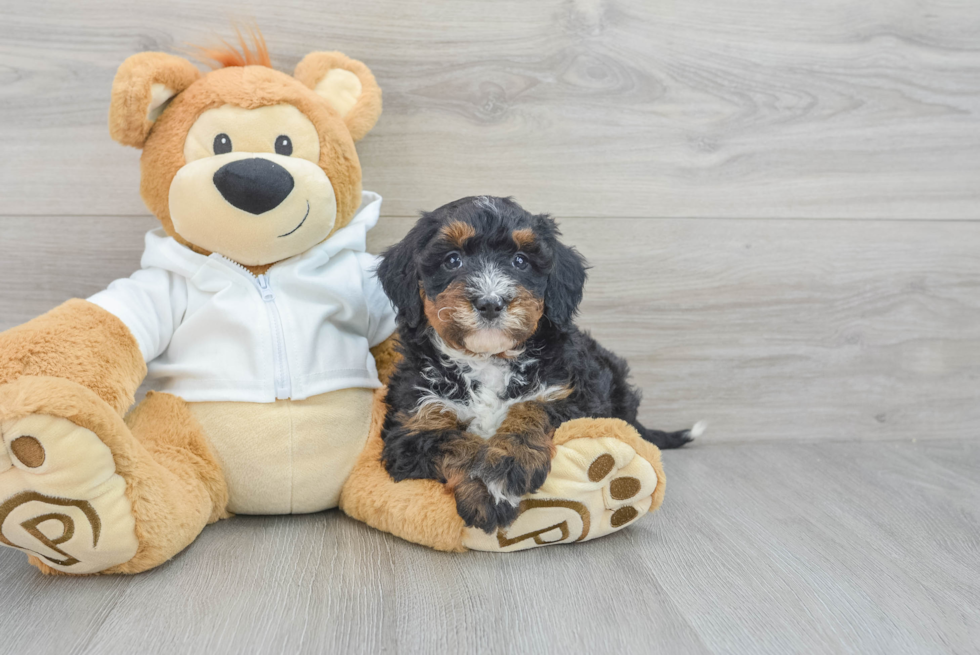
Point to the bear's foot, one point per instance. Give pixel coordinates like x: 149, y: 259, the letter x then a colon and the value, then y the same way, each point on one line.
x: 61, y: 498
x: 597, y: 485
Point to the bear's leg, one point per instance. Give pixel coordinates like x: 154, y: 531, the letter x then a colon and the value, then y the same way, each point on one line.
x: 183, y: 487
x: 420, y: 511
x: 82, y: 491
x: 604, y: 477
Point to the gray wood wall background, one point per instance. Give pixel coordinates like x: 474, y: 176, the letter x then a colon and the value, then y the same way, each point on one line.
x: 780, y: 199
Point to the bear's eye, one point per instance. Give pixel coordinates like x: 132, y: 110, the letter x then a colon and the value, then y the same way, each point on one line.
x: 222, y: 144
x: 283, y: 145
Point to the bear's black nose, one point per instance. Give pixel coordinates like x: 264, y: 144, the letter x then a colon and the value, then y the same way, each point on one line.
x: 254, y: 185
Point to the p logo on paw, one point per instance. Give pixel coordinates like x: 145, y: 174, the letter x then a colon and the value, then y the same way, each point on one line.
x: 47, y: 529
x: 61, y: 498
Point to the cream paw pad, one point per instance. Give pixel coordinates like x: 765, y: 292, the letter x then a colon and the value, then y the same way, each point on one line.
x: 596, y: 486
x: 61, y: 498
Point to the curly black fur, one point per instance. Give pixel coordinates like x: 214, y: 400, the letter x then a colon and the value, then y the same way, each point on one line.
x: 556, y: 355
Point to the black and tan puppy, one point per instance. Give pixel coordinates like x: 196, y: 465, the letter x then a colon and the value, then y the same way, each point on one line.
x: 493, y: 363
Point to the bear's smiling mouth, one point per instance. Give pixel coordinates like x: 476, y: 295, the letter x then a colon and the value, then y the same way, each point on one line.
x: 300, y: 223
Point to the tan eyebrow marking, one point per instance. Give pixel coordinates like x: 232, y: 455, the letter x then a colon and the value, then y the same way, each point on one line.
x: 458, y: 232
x: 524, y: 237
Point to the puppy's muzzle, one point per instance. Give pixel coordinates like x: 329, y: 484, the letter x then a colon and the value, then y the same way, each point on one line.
x: 254, y: 185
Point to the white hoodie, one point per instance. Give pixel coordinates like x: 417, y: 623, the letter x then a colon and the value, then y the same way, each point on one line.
x: 211, y: 331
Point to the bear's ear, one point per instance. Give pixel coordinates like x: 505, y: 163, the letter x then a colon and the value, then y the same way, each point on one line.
x: 347, y: 85
x: 144, y: 85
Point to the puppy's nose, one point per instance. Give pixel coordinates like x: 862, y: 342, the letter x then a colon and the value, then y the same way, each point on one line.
x: 489, y: 308
x: 254, y: 185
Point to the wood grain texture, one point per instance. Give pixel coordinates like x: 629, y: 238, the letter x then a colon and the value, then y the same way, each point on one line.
x: 758, y: 108
x: 821, y: 548
x: 832, y: 505
x: 823, y: 330
x: 760, y: 548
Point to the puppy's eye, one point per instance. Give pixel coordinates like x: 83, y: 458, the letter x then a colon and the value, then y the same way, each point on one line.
x: 283, y: 145
x: 222, y: 144
x: 520, y: 261
x: 453, y: 261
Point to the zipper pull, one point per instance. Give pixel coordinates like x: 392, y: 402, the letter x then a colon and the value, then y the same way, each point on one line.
x: 265, y: 289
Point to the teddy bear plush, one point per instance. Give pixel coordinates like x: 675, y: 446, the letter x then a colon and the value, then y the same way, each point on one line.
x: 257, y: 316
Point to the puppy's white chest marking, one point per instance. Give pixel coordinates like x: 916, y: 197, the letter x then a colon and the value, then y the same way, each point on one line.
x: 487, y: 380
x: 488, y: 405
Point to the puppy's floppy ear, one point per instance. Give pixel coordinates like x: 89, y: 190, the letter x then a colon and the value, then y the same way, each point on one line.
x: 566, y: 281
x: 345, y: 84
x: 399, y: 276
x: 144, y: 86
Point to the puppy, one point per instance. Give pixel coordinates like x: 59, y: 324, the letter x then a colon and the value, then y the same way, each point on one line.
x: 493, y: 363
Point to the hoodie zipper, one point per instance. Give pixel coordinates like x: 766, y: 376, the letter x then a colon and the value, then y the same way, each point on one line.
x: 279, y: 361
x: 280, y: 364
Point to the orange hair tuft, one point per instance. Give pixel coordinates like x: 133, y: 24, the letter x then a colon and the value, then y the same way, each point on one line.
x: 227, y: 54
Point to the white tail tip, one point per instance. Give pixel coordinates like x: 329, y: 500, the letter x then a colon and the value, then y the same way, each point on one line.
x: 699, y: 429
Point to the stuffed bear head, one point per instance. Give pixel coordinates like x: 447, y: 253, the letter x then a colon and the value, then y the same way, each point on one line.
x: 246, y: 161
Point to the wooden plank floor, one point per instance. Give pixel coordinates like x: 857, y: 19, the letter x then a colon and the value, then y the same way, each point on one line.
x: 760, y: 548
x: 781, y: 204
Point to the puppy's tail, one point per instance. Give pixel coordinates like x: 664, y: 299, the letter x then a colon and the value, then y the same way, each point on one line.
x: 664, y: 440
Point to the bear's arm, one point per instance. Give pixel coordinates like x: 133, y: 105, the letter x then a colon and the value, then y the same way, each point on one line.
x: 77, y: 341
x: 386, y: 357
x: 102, y: 343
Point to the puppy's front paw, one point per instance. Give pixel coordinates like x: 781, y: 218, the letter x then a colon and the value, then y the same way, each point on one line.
x: 511, y: 469
x: 479, y: 509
